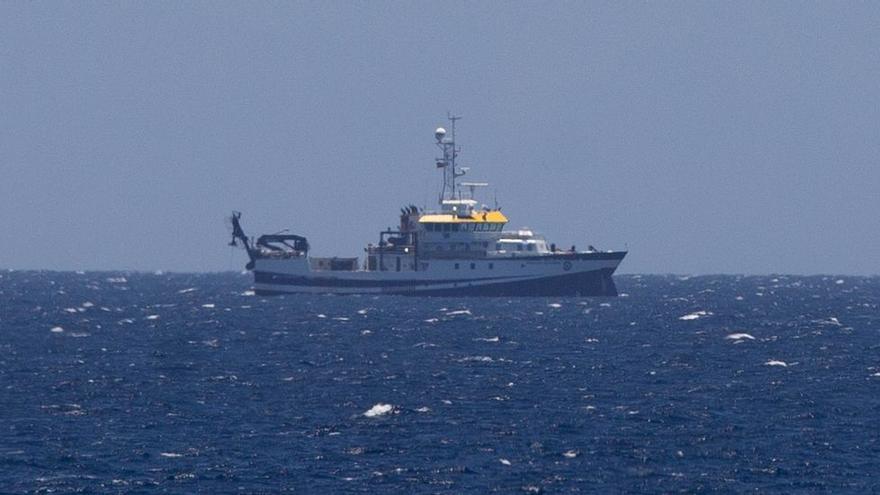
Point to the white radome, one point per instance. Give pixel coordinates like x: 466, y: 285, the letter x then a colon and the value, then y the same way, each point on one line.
x: 439, y: 133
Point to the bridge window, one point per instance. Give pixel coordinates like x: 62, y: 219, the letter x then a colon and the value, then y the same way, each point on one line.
x: 456, y: 266
x: 473, y: 266
x: 491, y: 266
x: 447, y: 227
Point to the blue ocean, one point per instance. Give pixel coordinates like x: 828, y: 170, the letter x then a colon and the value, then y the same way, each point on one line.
x: 182, y: 383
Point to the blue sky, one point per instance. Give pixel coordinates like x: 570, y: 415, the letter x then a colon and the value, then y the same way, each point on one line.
x: 705, y: 137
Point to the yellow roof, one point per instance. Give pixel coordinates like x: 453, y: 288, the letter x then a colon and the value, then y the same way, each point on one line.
x: 493, y: 216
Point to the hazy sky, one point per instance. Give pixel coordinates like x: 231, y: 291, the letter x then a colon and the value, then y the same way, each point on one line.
x: 705, y: 137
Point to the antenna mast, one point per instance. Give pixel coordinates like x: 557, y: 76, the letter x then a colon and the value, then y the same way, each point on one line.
x: 447, y: 163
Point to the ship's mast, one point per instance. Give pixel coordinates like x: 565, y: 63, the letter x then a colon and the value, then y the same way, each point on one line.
x: 447, y: 163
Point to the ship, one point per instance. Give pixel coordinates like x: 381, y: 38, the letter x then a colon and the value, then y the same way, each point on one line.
x: 461, y: 248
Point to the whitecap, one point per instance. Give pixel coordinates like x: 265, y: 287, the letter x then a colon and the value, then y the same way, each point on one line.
x: 248, y: 293
x: 88, y: 304
x: 459, y: 312
x: 695, y: 315
x: 362, y: 311
x: 739, y: 337
x: 378, y: 410
x: 485, y: 339
x: 56, y: 330
x: 184, y: 291
x: 71, y: 310
x: 431, y: 320
x: 555, y: 305
x: 425, y: 409
x: 321, y: 315
x: 570, y: 454
x: 153, y: 317
x: 170, y: 454
x: 839, y: 281
x: 504, y: 461
x: 117, y: 280
x: 775, y: 362
x: 209, y: 306
x: 366, y: 332
x: 605, y: 305
x: 481, y: 359
x: 340, y: 318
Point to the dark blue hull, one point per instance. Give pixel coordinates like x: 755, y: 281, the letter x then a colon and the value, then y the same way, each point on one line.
x: 597, y: 283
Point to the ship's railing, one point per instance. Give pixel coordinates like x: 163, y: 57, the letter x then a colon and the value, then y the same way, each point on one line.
x: 273, y: 254
x: 453, y: 255
x: 396, y: 249
x: 333, y: 264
